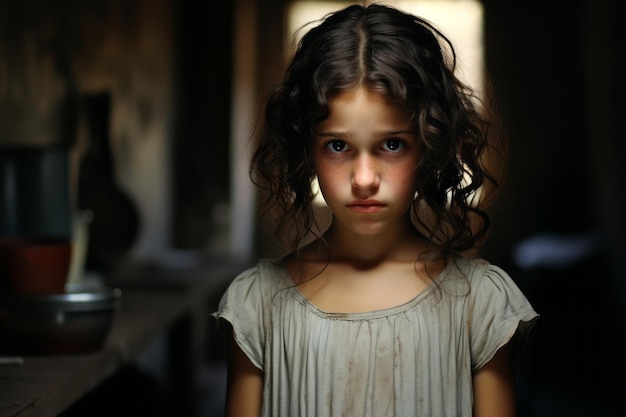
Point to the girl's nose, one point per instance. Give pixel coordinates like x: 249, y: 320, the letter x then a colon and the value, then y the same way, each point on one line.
x: 365, y: 176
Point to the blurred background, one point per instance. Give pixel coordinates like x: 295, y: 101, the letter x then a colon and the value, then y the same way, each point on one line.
x: 134, y: 116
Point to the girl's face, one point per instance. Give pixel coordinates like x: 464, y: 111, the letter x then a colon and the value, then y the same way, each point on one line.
x: 365, y: 155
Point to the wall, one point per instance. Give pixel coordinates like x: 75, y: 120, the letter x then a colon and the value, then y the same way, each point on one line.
x: 52, y: 54
x: 555, y: 67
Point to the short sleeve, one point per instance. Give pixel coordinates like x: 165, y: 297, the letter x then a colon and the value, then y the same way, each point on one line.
x: 242, y: 307
x: 500, y: 311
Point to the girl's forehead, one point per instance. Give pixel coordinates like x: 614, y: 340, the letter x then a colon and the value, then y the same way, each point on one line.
x: 362, y: 108
x: 363, y: 95
x: 376, y: 92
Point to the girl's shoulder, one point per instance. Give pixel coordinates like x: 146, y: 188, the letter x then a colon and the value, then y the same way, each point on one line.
x: 244, y: 306
x: 249, y: 293
x: 479, y: 278
x: 493, y: 289
x: 476, y: 270
x: 266, y: 276
x: 498, y: 311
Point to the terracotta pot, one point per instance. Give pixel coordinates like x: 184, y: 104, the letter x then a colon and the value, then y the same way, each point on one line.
x: 34, y: 265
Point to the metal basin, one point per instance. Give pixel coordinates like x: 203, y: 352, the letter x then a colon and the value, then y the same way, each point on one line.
x: 56, y: 323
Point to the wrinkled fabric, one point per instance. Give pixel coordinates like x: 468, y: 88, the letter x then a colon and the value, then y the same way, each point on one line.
x: 412, y: 360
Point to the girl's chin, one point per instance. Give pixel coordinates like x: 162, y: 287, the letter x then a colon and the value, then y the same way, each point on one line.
x: 365, y: 229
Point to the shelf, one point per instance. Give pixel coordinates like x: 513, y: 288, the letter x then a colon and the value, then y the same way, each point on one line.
x: 173, y: 303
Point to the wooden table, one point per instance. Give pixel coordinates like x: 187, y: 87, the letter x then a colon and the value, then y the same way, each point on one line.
x: 173, y: 303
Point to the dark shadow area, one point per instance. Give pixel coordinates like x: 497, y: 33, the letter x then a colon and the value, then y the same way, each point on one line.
x: 572, y: 364
x: 131, y: 392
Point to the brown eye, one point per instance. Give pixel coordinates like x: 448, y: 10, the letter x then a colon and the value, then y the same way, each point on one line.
x: 393, y: 145
x: 337, y: 146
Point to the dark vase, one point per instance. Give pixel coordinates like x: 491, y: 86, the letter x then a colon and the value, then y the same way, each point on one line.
x: 116, y: 220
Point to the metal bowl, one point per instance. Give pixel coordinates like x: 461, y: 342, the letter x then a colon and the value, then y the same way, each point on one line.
x: 56, y: 323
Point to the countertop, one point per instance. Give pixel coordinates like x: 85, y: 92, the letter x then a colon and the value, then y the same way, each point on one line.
x: 153, y: 301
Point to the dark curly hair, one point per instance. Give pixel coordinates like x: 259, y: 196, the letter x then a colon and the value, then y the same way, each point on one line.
x: 410, y: 61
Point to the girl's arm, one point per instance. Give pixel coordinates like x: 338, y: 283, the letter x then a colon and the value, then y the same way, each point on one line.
x: 245, y: 384
x: 494, y: 386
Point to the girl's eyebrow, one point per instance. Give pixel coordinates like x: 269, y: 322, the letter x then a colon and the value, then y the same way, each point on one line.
x: 398, y: 132
x: 380, y: 133
x: 331, y: 134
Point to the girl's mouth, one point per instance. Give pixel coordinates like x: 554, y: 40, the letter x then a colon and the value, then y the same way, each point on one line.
x: 366, y: 206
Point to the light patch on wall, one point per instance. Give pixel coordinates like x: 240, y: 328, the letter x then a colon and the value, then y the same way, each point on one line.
x: 461, y: 21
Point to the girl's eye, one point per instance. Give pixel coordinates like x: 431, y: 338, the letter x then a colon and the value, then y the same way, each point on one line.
x: 337, y: 146
x: 393, y: 145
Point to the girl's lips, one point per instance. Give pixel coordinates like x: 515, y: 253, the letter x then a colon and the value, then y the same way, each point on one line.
x: 366, y: 206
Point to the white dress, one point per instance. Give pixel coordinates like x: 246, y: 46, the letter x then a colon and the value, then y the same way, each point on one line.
x: 413, y: 360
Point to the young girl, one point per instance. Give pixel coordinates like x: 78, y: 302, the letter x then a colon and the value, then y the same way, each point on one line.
x: 380, y: 314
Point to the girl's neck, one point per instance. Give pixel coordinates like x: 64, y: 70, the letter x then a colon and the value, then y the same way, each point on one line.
x: 361, y: 273
x: 400, y: 244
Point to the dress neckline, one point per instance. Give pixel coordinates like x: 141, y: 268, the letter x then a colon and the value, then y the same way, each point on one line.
x: 365, y: 315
